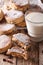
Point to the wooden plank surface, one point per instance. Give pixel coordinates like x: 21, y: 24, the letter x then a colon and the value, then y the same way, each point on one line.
x: 6, y: 63
x: 19, y: 61
x: 41, y: 53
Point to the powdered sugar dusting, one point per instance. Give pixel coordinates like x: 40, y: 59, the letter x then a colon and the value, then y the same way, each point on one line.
x: 14, y: 14
x: 15, y: 49
x: 21, y: 37
x: 6, y: 27
x: 4, y: 41
x: 20, y: 2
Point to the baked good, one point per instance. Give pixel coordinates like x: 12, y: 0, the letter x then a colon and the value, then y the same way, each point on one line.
x: 21, y: 24
x: 5, y: 43
x: 2, y: 2
x: 21, y: 5
x: 21, y: 40
x: 18, y: 52
x: 6, y: 28
x: 7, y: 5
x: 14, y: 16
x: 1, y: 14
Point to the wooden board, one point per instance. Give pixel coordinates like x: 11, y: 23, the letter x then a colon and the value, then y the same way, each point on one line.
x: 41, y: 53
x: 6, y: 63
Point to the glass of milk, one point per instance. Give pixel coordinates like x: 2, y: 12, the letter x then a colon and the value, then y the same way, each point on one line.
x: 34, y: 22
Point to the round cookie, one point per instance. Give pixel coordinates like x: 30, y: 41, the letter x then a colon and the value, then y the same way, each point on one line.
x: 6, y: 28
x: 21, y: 5
x: 5, y: 43
x: 14, y: 16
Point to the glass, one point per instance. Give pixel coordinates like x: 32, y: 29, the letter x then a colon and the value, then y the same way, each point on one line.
x: 35, y: 29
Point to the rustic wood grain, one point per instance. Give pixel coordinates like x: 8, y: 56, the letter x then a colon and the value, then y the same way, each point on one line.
x: 6, y: 63
x: 41, y: 53
x: 32, y: 61
x: 19, y: 61
x: 26, y: 62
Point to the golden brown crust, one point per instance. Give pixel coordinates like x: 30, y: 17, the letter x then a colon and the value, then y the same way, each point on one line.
x: 5, y: 48
x: 14, y: 21
x: 1, y: 14
x: 21, y: 24
x: 21, y: 8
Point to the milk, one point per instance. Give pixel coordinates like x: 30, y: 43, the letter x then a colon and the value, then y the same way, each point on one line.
x: 34, y: 22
